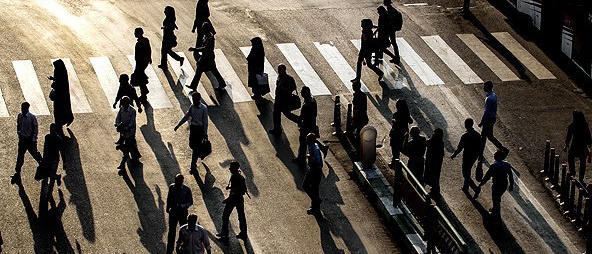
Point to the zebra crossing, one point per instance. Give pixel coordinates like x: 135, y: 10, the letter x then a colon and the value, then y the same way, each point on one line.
x: 108, y: 78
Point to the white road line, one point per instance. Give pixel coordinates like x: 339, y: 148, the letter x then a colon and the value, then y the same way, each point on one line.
x: 489, y: 58
x: 30, y: 86
x: 417, y: 64
x: 157, y: 96
x: 391, y: 78
x: 3, y: 108
x: 416, y: 4
x: 267, y: 68
x: 523, y: 55
x: 303, y: 68
x: 108, y: 79
x: 450, y: 58
x: 78, y: 98
x: 340, y: 66
x: 235, y: 88
x: 185, y: 75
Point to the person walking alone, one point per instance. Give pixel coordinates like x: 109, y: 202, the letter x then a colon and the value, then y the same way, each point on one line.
x: 400, y: 126
x: 434, y: 159
x: 470, y: 145
x: 308, y: 123
x: 384, y: 31
x: 238, y: 188
x: 314, y: 173
x: 360, y: 110
x: 198, y: 128
x: 143, y: 57
x: 179, y: 199
x: 415, y: 148
x: 577, y: 144
x: 489, y: 118
x: 255, y: 61
x: 125, y: 124
x: 125, y: 89
x: 202, y: 14
x: 501, y: 173
x: 368, y: 46
x: 52, y: 148
x: 26, y: 129
x: 206, y: 58
x: 395, y: 24
x: 193, y: 238
x: 285, y: 86
x: 169, y: 40
x: 60, y: 95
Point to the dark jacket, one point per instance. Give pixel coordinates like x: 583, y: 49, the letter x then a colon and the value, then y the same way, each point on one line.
x: 179, y: 198
x: 207, y: 58
x: 62, y: 108
x: 579, y: 137
x: 285, y: 86
x: 169, y: 39
x: 238, y: 186
x: 470, y: 142
x: 125, y: 89
x: 52, y: 147
x: 308, y: 115
x: 143, y: 51
x: 360, y: 108
x: 500, y: 172
x: 434, y: 158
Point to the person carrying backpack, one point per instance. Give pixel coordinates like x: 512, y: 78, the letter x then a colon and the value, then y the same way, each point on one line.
x: 395, y: 24
x: 368, y: 46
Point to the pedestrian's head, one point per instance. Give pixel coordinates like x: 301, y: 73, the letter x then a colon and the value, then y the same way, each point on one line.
x: 125, y: 101
x: 234, y: 166
x: 488, y: 86
x: 367, y: 24
x: 196, y: 98
x: 192, y: 219
x: 414, y: 132
x: 59, y: 64
x: 311, y: 138
x: 179, y: 180
x: 256, y: 42
x: 580, y: 119
x: 402, y: 107
x: 469, y: 123
x: 438, y: 134
x: 123, y: 79
x: 305, y: 91
x: 53, y: 128
x: 139, y: 32
x: 25, y: 107
x: 281, y: 69
x: 357, y: 86
x: 381, y: 10
x: 169, y: 11
x: 387, y: 2
x: 500, y: 155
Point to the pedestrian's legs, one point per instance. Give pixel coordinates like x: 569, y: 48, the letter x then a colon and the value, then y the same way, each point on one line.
x: 487, y: 133
x: 132, y: 145
x: 173, y: 220
x: 571, y: 161
x: 393, y: 38
x: 582, y: 167
x: 226, y: 216
x: 373, y: 67
x: 302, y: 145
x: 277, y: 116
x: 467, y: 168
x: 315, y: 203
x: 196, y: 136
x: 496, y: 198
x: 218, y: 76
x: 20, y: 157
x: 291, y: 116
x: 163, y: 56
x: 195, y: 82
x: 359, y: 65
x: 242, y: 220
x: 174, y: 54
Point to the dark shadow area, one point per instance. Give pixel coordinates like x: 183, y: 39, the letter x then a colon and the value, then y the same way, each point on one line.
x: 75, y: 182
x: 167, y: 162
x: 177, y: 88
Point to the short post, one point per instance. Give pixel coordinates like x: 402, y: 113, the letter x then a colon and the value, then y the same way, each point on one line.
x: 337, y: 117
x: 349, y: 125
x: 562, y: 184
x: 398, y: 175
x: 555, y: 175
x: 570, y: 201
x: 577, y: 218
x: 551, y: 163
x: 547, y: 151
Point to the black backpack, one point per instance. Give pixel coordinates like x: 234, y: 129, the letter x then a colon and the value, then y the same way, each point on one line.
x: 395, y: 19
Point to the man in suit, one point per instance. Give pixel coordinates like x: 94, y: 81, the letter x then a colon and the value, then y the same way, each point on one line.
x: 178, y: 201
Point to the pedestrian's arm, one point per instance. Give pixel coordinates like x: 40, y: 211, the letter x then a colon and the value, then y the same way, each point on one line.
x: 189, y: 199
x: 180, y: 240
x: 169, y: 199
x: 18, y: 124
x: 461, y: 146
x: 205, y: 120
x: 184, y: 119
x: 487, y: 176
x: 118, y: 118
x: 35, y: 129
x: 206, y: 242
x: 510, y: 178
x: 568, y: 137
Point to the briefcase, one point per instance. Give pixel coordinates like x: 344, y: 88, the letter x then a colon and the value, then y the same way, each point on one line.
x: 205, y: 148
x: 293, y: 102
x: 42, y: 171
x: 262, y: 84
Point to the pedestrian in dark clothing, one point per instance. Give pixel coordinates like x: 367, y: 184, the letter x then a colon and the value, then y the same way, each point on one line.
x: 383, y: 32
x: 308, y: 122
x: 470, y: 143
x: 392, y: 31
x: 238, y: 188
x: 400, y: 126
x: 415, y: 147
x: 198, y: 127
x: 285, y: 86
x: 1, y: 241
x: 255, y: 61
x: 52, y: 148
x: 577, y: 144
x: 489, y: 117
x: 60, y: 95
x: 178, y: 201
x: 360, y: 110
x: 202, y: 14
x: 169, y: 40
x: 193, y: 238
x: 434, y: 158
x: 143, y: 57
x: 206, y: 58
x: 312, y: 179
x: 125, y: 89
x: 26, y: 129
x: 500, y: 172
x: 125, y: 124
x: 368, y: 46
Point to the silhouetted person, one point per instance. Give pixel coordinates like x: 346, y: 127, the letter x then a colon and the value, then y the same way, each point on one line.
x: 26, y: 129
x: 60, y: 95
x: 431, y: 229
x: 178, y: 202
x: 577, y: 143
x: 415, y: 148
x: 125, y: 124
x: 470, y: 143
x: 206, y: 58
x: 500, y: 172
x: 143, y: 57
x: 314, y: 173
x: 198, y: 127
x: 255, y: 61
x: 383, y: 32
x: 400, y: 126
x: 52, y: 148
x: 395, y: 22
x: 285, y: 86
x: 434, y: 158
x: 360, y: 110
x: 368, y: 46
x: 125, y: 89
x: 308, y: 122
x: 193, y: 238
x: 466, y: 7
x: 202, y: 14
x: 489, y: 117
x: 1, y: 241
x: 238, y: 188
x: 169, y: 40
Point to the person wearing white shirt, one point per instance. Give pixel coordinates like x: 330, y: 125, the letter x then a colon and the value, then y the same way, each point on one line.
x: 198, y: 127
x: 126, y: 126
x: 27, y: 129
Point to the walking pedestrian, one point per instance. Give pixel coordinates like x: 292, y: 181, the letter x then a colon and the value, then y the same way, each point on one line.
x: 238, y: 188
x: 360, y: 110
x: 488, y: 119
x: 434, y: 158
x: 383, y: 32
x: 198, y: 128
x: 308, y: 123
x: 206, y: 58
x: 169, y: 40
x: 395, y: 24
x: 125, y: 124
x: 577, y: 144
x: 415, y: 147
x: 255, y: 61
x: 399, y: 127
x: 500, y: 172
x: 368, y: 46
x: 52, y: 148
x: 285, y: 86
x: 193, y: 238
x: 179, y: 199
x: 202, y: 14
x: 60, y: 95
x: 26, y: 129
x: 143, y: 57
x: 1, y: 241
x: 314, y: 173
x: 125, y: 89
x: 470, y: 145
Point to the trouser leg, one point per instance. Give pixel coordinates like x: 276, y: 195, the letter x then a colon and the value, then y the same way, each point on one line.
x: 20, y: 157
x: 315, y: 199
x: 226, y: 216
x: 196, y: 77
x: 373, y: 67
x: 242, y: 220
x: 302, y: 145
x: 218, y: 76
x: 173, y: 220
x: 196, y: 136
x: 132, y: 146
x: 467, y: 168
x: 571, y: 161
x: 582, y: 167
x: 393, y: 38
x: 163, y: 56
x: 496, y: 199
x: 174, y: 54
x: 277, y: 116
x: 359, y: 65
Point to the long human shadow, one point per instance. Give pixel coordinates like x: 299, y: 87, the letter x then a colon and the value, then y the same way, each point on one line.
x: 75, y: 182
x: 151, y: 215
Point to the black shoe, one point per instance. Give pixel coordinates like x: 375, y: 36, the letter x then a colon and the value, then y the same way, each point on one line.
x: 220, y: 235
x: 182, y: 60
x: 121, y: 171
x: 59, y: 179
x: 220, y: 89
x: 15, y: 178
x: 465, y: 189
x: 242, y: 236
x: 298, y: 160
x: 312, y: 211
x: 190, y: 87
x: 275, y: 132
x: 355, y: 80
x: 193, y: 171
x: 477, y: 191
x: 164, y: 67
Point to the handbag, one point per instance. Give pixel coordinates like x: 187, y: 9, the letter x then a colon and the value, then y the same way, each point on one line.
x: 262, y: 79
x: 52, y: 95
x: 42, y: 171
x: 205, y: 148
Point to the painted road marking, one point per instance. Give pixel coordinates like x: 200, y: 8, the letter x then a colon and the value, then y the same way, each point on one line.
x: 185, y: 75
x: 267, y: 68
x: 489, y: 58
x: 303, y: 68
x: 523, y: 56
x: 157, y: 96
x: 391, y: 78
x: 235, y: 88
x: 108, y: 79
x: 3, y: 108
x: 417, y: 64
x: 78, y: 98
x: 450, y: 58
x: 339, y: 65
x: 30, y: 86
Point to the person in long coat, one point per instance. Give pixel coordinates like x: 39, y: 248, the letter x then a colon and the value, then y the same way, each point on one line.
x: 60, y: 95
x: 169, y: 39
x: 400, y: 126
x: 434, y: 158
x: 255, y: 61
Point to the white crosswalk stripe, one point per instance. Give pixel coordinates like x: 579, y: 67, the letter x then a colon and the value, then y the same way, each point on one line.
x: 452, y: 60
x: 417, y: 64
x: 234, y: 86
x: 107, y: 77
x: 185, y: 75
x: 303, y: 68
x: 3, y: 108
x: 489, y: 58
x: 391, y: 78
x: 267, y: 68
x: 339, y: 65
x: 157, y: 96
x: 30, y: 86
x: 78, y: 98
x: 523, y: 56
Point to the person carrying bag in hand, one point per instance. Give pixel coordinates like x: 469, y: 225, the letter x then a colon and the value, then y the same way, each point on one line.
x: 198, y: 128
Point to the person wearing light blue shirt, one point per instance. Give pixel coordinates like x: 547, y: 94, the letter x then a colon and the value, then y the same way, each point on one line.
x: 488, y: 119
x: 312, y: 179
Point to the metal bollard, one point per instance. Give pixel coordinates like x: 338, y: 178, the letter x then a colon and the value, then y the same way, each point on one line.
x: 551, y: 163
x: 398, y: 174
x: 555, y: 174
x: 337, y: 117
x: 562, y: 183
x: 570, y: 201
x: 547, y: 151
x: 579, y: 207
x: 349, y: 125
